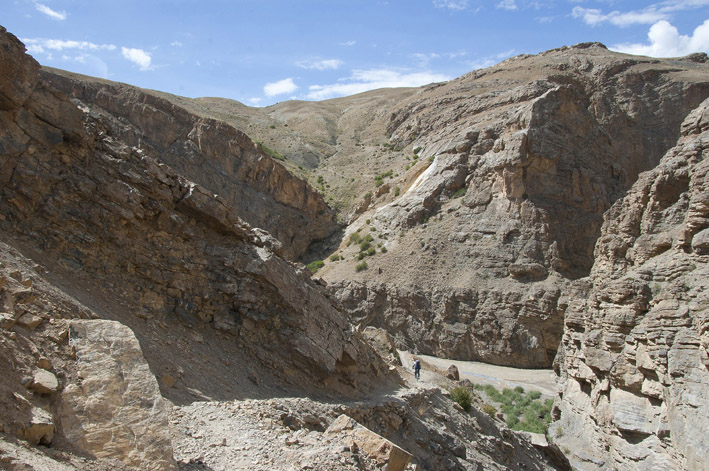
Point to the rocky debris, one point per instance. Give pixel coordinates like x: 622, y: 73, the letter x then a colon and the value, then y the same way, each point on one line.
x: 114, y: 408
x: 387, y: 455
x: 484, y: 245
x: 299, y: 433
x: 633, y: 362
x: 218, y: 157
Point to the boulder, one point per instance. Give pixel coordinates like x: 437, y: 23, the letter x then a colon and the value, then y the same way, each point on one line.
x: 44, y: 382
x: 452, y: 373
x: 113, y: 407
x: 388, y: 456
x: 40, y: 429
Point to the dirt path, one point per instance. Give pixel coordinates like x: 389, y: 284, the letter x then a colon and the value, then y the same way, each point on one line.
x: 501, y: 377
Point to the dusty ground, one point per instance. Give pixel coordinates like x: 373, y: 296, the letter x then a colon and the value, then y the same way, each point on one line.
x: 501, y: 377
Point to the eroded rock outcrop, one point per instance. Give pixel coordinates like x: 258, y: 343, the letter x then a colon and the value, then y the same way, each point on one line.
x: 484, y: 246
x: 633, y: 361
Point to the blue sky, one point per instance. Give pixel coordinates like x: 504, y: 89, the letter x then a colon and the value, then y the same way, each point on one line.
x: 264, y: 51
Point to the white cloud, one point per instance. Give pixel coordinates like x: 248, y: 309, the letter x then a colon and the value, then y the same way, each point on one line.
x: 507, y: 5
x: 39, y: 45
x: 451, y: 4
x: 364, y: 80
x: 325, y: 64
x: 55, y: 15
x: 665, y: 41
x: 424, y: 58
x: 255, y: 101
x: 489, y: 61
x: 137, y: 56
x: 348, y: 43
x: 176, y: 44
x: 280, y: 88
x: 593, y: 17
x: 649, y: 15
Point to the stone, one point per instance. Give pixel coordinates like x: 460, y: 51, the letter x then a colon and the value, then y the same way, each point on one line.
x: 29, y: 321
x: 388, y: 456
x: 452, y: 373
x: 44, y: 382
x: 7, y: 320
x: 40, y: 429
x: 116, y: 411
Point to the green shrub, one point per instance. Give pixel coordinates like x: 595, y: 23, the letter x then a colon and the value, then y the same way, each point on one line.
x: 315, y: 265
x: 397, y: 190
x: 460, y: 192
x: 417, y: 150
x: 361, y: 266
x: 383, y: 250
x: 490, y: 410
x: 462, y: 396
x: 335, y: 258
x: 364, y: 245
x: 371, y: 251
x: 270, y: 152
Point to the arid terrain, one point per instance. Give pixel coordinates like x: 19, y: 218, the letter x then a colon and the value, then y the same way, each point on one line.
x: 194, y: 284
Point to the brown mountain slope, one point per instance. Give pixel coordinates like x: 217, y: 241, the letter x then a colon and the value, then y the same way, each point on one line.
x: 483, y: 196
x: 484, y: 239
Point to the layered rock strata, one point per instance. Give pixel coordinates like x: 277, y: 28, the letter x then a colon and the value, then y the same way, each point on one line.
x: 633, y: 361
x: 525, y: 157
x: 210, y: 153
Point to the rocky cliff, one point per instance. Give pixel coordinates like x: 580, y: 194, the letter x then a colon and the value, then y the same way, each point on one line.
x: 633, y: 360
x: 211, y: 153
x: 118, y: 234
x: 502, y: 205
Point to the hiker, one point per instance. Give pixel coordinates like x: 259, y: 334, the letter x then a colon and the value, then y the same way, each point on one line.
x: 417, y: 368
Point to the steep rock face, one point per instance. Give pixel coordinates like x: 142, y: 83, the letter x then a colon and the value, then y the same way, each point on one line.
x: 127, y: 235
x: 213, y: 154
x: 633, y: 361
x: 525, y: 158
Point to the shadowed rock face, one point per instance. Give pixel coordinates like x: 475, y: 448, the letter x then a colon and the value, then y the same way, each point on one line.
x: 633, y: 360
x: 541, y: 146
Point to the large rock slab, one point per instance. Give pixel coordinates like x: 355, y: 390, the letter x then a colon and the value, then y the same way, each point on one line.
x: 114, y: 409
x: 389, y: 456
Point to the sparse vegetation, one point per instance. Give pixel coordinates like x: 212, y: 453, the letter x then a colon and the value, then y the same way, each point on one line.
x: 417, y: 150
x: 379, y: 179
x: 460, y: 192
x: 315, y: 265
x: 361, y: 266
x: 270, y: 152
x: 490, y: 410
x: 522, y: 411
x: 397, y: 190
x: 335, y: 258
x: 463, y: 397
